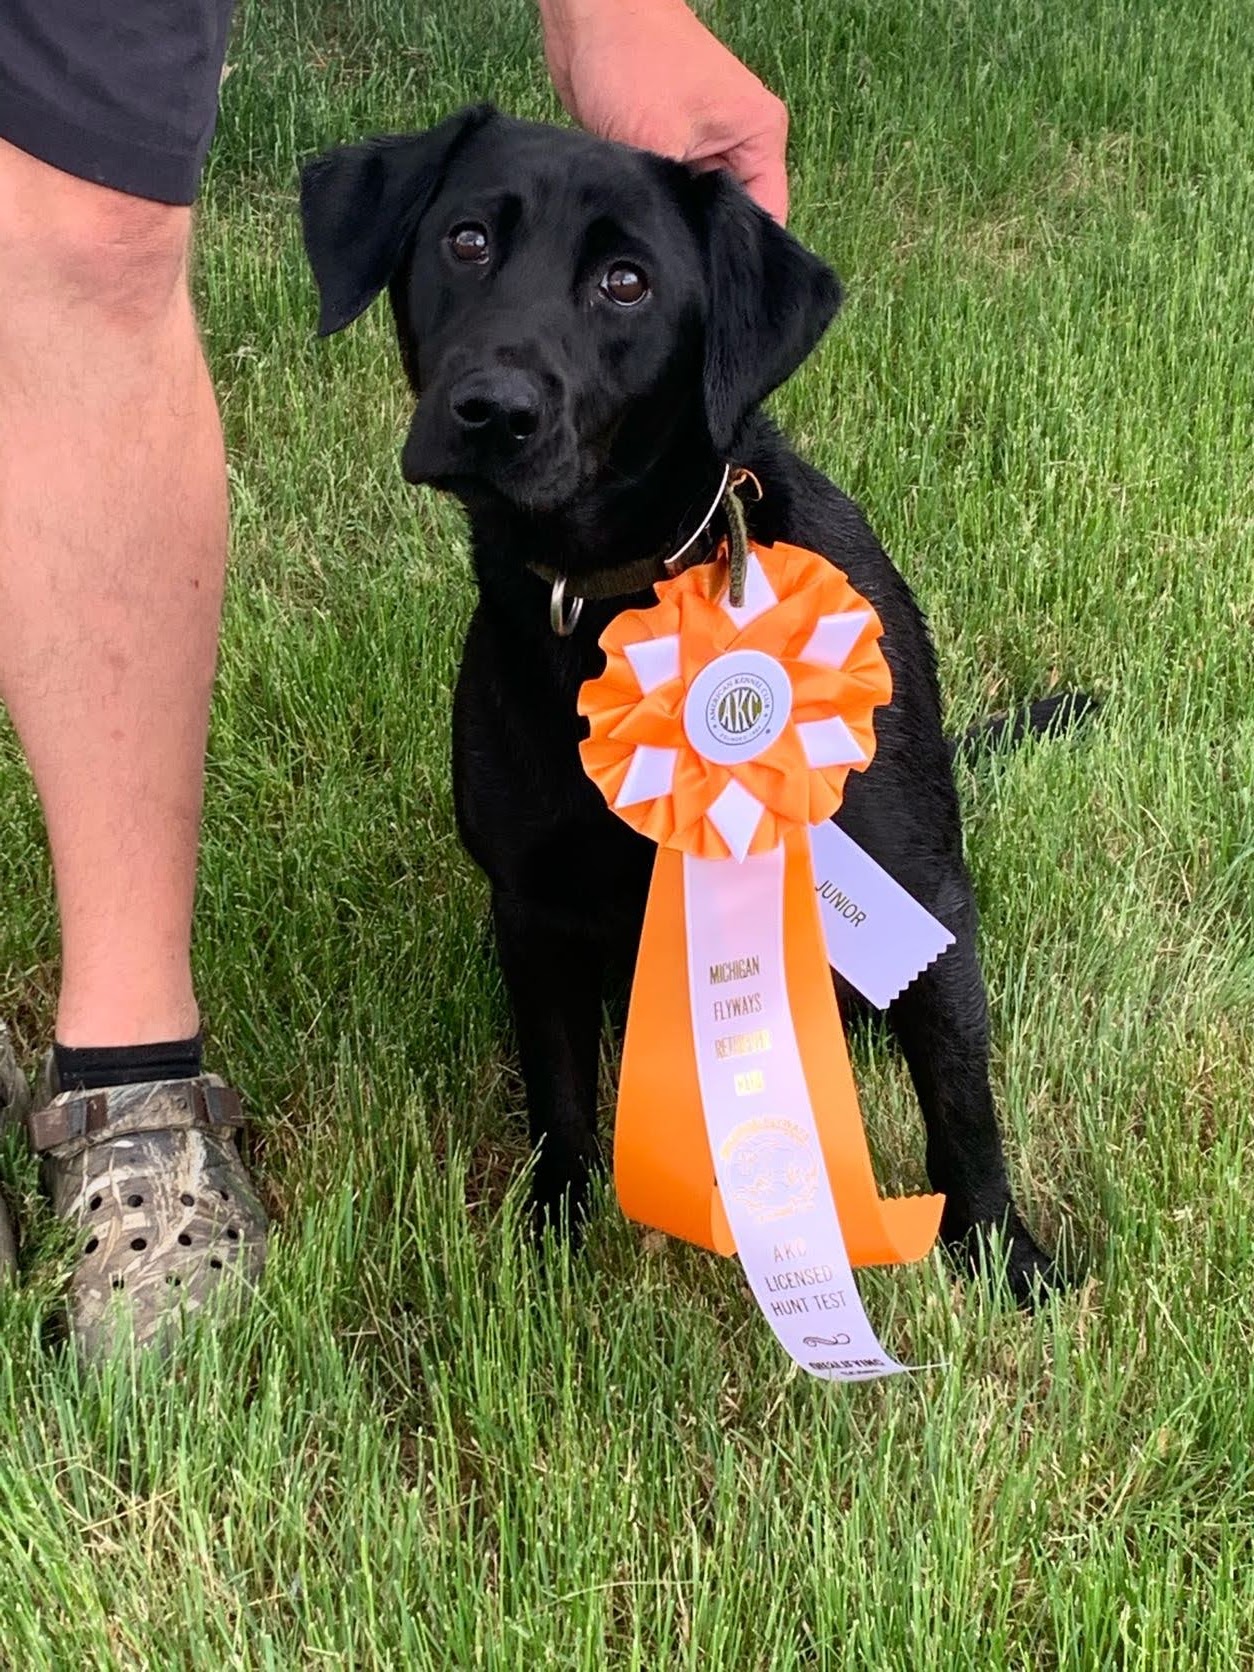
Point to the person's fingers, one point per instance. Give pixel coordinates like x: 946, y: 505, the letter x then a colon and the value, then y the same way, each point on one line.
x: 759, y: 160
x: 761, y: 171
x: 766, y: 182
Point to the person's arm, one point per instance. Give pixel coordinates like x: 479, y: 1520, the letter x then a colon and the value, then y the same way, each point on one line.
x: 646, y: 72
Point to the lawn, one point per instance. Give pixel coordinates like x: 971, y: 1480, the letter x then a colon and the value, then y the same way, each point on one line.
x: 423, y: 1448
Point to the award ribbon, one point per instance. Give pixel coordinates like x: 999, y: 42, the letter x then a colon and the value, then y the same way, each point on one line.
x: 723, y: 734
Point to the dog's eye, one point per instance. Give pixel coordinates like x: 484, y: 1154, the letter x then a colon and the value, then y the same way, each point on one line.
x: 625, y: 285
x: 469, y: 242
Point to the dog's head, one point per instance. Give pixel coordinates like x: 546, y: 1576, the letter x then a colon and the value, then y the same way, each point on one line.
x: 562, y: 303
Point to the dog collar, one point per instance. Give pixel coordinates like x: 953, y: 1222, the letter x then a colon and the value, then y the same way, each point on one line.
x: 621, y: 580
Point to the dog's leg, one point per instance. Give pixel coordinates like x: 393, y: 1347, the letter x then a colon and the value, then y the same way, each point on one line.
x: 941, y: 1021
x: 554, y: 979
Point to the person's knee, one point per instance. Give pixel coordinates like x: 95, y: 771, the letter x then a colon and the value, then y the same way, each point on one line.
x: 125, y: 255
x: 68, y: 244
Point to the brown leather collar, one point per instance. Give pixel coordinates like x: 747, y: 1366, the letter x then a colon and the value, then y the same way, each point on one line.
x: 621, y: 580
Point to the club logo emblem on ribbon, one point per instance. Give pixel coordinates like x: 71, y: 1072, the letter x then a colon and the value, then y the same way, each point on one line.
x: 724, y: 734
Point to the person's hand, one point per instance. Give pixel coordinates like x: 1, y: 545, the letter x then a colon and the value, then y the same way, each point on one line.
x: 647, y: 73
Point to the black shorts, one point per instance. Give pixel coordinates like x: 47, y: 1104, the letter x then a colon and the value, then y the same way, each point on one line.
x: 122, y: 92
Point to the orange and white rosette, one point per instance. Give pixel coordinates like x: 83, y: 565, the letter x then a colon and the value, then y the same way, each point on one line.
x: 723, y: 733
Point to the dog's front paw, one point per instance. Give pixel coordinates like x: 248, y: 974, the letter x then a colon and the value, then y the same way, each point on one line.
x: 560, y: 1191
x: 994, y: 1246
x: 1031, y: 1273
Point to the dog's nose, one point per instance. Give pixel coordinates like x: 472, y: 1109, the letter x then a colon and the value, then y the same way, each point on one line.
x: 502, y: 405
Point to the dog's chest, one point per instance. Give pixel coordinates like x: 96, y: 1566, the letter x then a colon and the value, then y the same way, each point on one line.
x: 527, y: 812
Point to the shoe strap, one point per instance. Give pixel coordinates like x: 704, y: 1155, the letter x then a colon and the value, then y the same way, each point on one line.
x: 87, y: 1114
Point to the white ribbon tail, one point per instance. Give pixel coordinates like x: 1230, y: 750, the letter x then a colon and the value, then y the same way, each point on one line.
x: 766, y: 1149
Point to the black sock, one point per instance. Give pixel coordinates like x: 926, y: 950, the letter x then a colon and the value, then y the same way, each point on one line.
x: 92, y: 1067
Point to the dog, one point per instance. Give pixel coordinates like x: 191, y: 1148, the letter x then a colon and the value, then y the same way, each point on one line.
x: 589, y: 332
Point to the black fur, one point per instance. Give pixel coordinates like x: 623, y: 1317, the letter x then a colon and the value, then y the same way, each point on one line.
x: 581, y: 434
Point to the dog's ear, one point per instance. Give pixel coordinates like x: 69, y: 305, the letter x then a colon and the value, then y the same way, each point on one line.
x: 769, y: 302
x: 360, y: 203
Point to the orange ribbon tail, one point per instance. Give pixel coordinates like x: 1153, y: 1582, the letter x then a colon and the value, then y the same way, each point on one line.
x: 663, y: 1169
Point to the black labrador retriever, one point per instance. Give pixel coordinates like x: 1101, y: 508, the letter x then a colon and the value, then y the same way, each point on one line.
x: 589, y: 332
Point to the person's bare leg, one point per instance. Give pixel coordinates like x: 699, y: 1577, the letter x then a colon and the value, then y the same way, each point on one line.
x: 112, y: 550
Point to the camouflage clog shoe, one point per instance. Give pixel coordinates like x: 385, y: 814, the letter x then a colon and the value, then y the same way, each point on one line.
x: 151, y: 1176
x: 14, y: 1104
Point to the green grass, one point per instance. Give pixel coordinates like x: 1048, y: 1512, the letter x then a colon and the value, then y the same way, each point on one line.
x: 422, y: 1448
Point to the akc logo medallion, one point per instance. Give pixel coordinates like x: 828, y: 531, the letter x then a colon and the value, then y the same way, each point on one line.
x: 737, y: 706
